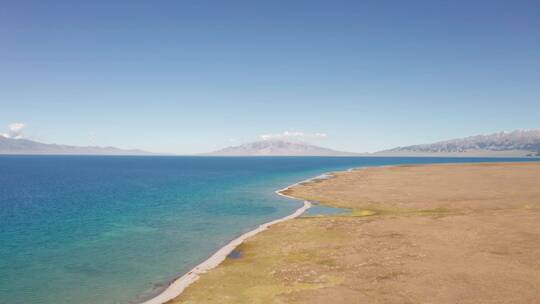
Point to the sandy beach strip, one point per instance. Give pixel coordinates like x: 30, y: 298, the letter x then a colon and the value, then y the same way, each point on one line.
x: 282, y: 192
x: 178, y: 285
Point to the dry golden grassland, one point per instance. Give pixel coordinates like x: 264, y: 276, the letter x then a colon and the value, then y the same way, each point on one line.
x: 464, y: 233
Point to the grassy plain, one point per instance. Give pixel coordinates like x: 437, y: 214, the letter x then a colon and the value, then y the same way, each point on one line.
x: 454, y: 233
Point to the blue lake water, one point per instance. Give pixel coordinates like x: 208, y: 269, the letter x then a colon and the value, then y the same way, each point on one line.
x: 103, y: 230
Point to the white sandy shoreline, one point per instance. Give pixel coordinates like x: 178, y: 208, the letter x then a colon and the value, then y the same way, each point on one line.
x: 180, y: 284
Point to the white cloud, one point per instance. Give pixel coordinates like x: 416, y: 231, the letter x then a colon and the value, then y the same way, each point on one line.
x: 293, y: 135
x: 16, y: 126
x: 14, y: 130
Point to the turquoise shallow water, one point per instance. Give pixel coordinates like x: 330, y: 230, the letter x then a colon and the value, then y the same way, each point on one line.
x: 103, y: 230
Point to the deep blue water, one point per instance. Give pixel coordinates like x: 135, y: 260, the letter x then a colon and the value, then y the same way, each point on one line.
x: 101, y: 230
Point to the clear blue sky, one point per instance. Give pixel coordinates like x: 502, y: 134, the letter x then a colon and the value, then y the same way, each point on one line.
x: 193, y: 76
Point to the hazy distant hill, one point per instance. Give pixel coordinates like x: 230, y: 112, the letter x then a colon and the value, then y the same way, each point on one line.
x: 25, y: 146
x: 278, y: 148
x: 516, y: 143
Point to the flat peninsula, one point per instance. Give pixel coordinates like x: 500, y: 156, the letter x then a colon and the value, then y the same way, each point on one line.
x: 445, y: 233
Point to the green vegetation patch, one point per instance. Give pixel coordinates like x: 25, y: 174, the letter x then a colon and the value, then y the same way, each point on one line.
x: 362, y: 212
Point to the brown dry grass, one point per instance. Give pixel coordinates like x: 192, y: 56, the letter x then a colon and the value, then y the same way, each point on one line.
x: 467, y: 233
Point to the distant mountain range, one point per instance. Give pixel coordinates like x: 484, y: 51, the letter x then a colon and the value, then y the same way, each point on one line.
x: 278, y: 148
x: 26, y: 146
x: 515, y: 143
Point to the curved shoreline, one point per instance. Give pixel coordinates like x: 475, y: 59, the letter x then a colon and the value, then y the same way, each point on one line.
x: 318, y: 177
x: 180, y: 284
x: 324, y: 259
